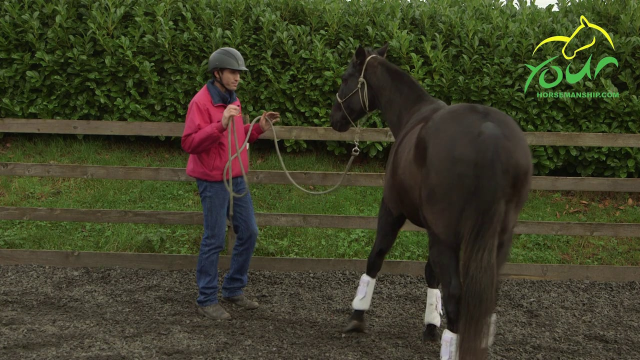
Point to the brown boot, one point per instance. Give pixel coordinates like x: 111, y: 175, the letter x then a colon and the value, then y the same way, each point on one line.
x: 215, y: 312
x: 241, y: 301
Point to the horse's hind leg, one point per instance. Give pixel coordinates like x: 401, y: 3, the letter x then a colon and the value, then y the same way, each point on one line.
x: 387, y: 231
x: 433, y: 309
x: 445, y: 262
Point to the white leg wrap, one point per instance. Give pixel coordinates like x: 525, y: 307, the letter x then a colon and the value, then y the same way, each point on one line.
x: 492, y: 331
x: 362, y: 301
x: 434, y: 307
x: 449, y: 348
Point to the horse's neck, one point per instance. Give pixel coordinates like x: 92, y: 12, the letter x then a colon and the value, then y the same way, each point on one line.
x: 400, y: 97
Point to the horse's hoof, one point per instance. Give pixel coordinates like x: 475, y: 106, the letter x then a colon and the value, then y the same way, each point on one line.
x: 354, y: 326
x: 430, y: 333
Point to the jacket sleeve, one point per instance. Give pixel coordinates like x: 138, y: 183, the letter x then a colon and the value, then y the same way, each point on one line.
x: 199, y: 135
x: 255, y: 132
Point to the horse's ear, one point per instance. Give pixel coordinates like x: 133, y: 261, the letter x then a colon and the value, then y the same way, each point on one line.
x: 383, y: 50
x: 361, y: 55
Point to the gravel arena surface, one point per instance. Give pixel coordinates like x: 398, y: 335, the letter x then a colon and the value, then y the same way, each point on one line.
x: 117, y: 313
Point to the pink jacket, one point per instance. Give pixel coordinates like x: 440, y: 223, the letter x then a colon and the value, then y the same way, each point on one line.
x: 206, y: 140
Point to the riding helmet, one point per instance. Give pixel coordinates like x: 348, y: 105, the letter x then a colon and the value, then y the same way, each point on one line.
x: 226, y: 58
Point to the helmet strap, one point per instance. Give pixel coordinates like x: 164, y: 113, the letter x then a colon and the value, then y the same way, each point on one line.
x: 219, y: 81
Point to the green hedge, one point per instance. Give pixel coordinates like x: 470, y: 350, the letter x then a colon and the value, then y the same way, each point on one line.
x: 143, y: 60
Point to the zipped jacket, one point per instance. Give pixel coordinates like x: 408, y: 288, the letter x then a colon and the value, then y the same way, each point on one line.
x: 206, y: 140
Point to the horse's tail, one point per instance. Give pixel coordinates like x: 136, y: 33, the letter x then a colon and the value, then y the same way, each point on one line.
x: 480, y: 228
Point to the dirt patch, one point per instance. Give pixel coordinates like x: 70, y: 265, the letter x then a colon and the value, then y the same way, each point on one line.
x: 73, y: 313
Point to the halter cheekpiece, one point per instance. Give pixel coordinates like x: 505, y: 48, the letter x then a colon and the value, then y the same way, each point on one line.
x: 364, y: 101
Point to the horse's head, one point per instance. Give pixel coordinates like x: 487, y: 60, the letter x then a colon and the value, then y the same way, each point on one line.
x: 353, y: 101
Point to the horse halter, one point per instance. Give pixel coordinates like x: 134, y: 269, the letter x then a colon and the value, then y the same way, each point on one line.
x: 364, y: 101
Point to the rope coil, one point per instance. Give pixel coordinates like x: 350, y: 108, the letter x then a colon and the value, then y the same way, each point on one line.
x: 228, y: 171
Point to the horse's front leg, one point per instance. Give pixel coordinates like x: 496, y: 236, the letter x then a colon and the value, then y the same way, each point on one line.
x: 387, y: 231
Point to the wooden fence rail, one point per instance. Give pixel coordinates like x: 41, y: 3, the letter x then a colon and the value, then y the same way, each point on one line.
x: 318, y: 178
x: 405, y: 267
x: 125, y: 128
x: 295, y: 220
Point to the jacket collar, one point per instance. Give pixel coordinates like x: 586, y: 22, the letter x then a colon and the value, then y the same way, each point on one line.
x: 218, y: 97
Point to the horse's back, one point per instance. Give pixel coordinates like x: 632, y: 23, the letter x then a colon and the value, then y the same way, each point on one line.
x: 456, y: 129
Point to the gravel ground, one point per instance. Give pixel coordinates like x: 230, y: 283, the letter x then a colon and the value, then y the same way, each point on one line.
x: 115, y: 313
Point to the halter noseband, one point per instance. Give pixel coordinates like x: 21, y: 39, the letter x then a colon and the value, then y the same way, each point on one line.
x: 364, y: 101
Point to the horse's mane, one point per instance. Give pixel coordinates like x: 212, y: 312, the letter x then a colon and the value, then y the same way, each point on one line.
x: 398, y: 74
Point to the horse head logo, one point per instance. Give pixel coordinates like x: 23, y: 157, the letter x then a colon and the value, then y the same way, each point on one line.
x: 583, y: 24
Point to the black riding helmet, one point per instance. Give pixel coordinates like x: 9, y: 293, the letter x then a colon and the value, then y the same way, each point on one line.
x: 226, y: 58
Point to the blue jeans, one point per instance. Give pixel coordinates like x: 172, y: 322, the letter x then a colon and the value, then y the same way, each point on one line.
x: 215, y: 206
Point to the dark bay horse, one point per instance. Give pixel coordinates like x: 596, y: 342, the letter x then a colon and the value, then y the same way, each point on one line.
x: 463, y: 173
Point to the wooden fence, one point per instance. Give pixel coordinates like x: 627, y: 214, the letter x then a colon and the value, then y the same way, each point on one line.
x: 87, y: 127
